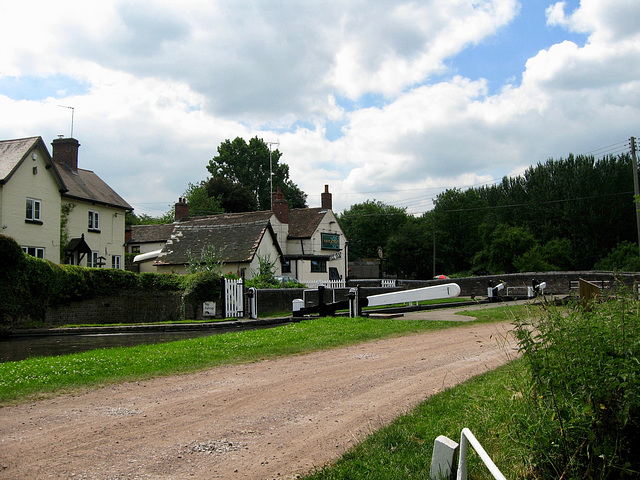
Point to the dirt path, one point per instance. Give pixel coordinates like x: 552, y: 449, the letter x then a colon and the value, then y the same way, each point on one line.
x: 265, y: 420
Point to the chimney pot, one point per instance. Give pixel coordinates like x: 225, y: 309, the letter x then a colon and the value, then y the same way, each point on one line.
x: 280, y: 206
x: 181, y: 210
x: 326, y: 199
x: 65, y: 152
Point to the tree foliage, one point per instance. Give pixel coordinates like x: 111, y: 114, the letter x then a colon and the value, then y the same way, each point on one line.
x: 624, y: 257
x: 200, y: 202
x: 250, y: 164
x: 565, y: 214
x: 232, y: 196
x: 369, y: 225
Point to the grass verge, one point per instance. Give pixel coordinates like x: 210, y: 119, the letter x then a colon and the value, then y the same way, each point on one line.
x: 41, y: 376
x: 403, y: 449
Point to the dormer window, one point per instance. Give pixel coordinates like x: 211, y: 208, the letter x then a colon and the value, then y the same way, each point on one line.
x: 94, y: 221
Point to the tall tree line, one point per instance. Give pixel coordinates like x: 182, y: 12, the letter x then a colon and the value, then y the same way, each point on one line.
x: 565, y: 214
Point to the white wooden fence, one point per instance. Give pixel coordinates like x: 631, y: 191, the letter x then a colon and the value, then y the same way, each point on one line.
x: 233, y: 298
x: 326, y: 283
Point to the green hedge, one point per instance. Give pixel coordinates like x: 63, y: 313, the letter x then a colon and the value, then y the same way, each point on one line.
x: 28, y: 285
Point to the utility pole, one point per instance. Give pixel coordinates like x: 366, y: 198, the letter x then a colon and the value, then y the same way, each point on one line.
x: 636, y: 189
x: 434, y: 248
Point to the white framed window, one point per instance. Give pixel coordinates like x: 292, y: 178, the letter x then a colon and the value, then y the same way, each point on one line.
x: 94, y: 220
x: 92, y: 259
x: 116, y: 261
x: 37, y: 252
x: 34, y: 209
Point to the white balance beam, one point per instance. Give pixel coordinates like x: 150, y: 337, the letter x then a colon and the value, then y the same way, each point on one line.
x: 448, y: 290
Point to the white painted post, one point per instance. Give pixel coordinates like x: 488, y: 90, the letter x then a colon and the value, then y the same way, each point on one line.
x: 353, y: 302
x: 443, y: 459
x: 253, y: 302
x: 467, y: 437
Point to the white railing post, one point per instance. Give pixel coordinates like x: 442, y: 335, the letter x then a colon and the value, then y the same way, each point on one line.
x: 467, y: 437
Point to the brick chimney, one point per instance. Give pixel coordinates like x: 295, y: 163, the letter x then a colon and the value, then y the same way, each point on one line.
x: 280, y: 206
x: 181, y: 210
x: 325, y: 199
x: 65, y: 152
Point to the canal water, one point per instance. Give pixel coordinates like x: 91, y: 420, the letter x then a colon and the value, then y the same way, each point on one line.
x: 20, y: 348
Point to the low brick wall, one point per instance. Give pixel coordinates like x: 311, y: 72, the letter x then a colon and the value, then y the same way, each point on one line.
x: 280, y: 300
x: 558, y: 283
x: 127, y: 307
x: 139, y: 307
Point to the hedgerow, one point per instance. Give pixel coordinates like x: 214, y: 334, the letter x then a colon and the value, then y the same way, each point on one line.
x: 580, y: 415
x: 28, y: 285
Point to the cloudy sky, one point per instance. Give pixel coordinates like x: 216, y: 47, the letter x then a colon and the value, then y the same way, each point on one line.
x: 389, y: 100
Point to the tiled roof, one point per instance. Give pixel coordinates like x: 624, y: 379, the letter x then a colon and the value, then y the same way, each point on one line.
x: 303, y: 222
x: 150, y: 233
x: 13, y: 152
x: 82, y: 185
x: 235, y: 235
x: 86, y: 185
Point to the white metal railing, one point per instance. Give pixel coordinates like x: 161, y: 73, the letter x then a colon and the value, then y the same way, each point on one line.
x: 326, y: 283
x: 517, y: 290
x: 466, y: 438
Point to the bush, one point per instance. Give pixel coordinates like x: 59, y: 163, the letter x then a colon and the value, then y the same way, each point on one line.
x: 581, y: 414
x: 160, y: 281
x: 28, y: 285
x: 11, y: 254
x: 625, y: 257
x: 201, y: 287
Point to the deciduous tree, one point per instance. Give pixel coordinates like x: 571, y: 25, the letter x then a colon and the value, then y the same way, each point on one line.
x: 250, y: 165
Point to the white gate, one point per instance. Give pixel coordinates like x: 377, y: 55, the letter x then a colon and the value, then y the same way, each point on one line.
x: 233, y: 298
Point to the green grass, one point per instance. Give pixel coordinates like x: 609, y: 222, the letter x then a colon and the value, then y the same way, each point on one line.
x: 82, y: 325
x: 39, y: 376
x: 36, y: 376
x: 403, y: 449
x: 510, y: 312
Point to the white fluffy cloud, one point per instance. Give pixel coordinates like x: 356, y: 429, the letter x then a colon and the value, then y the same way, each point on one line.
x: 358, y: 93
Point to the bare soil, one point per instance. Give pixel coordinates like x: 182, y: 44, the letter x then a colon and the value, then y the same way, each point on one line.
x: 266, y: 420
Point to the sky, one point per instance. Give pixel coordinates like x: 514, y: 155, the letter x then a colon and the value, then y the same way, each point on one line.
x: 386, y: 100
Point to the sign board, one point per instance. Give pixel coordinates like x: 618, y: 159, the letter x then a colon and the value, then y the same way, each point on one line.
x: 209, y: 309
x: 330, y: 241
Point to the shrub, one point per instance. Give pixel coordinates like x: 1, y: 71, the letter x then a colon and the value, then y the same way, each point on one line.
x: 11, y: 254
x: 581, y: 415
x: 202, y: 286
x: 28, y: 285
x: 265, y: 276
x: 624, y: 257
x: 160, y: 281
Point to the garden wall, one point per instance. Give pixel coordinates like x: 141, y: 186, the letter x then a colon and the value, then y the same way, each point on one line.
x: 127, y: 307
x: 144, y: 307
